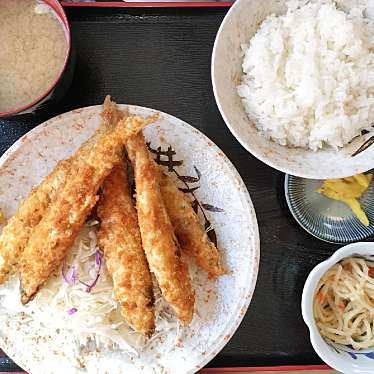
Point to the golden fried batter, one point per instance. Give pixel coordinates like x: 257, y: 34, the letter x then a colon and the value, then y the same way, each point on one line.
x: 51, y: 239
x: 159, y: 242
x: 120, y: 240
x: 190, y: 233
x: 18, y: 230
x: 16, y: 233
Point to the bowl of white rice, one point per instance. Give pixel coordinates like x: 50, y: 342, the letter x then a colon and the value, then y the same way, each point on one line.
x: 294, y: 82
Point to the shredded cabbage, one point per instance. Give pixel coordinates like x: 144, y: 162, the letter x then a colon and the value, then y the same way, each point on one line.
x: 79, y: 297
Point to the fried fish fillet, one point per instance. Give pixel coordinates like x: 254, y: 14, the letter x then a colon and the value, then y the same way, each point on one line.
x: 51, y: 239
x: 120, y: 240
x: 159, y: 242
x: 191, y: 235
x: 18, y: 230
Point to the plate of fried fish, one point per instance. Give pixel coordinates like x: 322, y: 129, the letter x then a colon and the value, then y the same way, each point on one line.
x: 129, y: 244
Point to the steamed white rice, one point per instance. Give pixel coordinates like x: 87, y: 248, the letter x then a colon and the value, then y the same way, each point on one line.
x: 308, y: 76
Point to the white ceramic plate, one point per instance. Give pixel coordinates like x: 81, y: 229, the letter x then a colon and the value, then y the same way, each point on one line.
x: 220, y: 305
x: 237, y: 28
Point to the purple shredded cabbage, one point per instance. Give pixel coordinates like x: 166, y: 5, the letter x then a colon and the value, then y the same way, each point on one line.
x: 98, y: 261
x: 98, y: 257
x: 70, y: 275
x: 72, y: 311
x: 74, y: 274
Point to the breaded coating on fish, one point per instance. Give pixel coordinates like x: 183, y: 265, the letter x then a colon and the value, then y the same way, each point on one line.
x: 159, y: 242
x: 52, y: 238
x: 191, y: 235
x: 119, y: 239
x: 18, y: 230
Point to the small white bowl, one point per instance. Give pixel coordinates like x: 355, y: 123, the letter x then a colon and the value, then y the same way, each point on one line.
x: 237, y: 28
x: 339, y: 357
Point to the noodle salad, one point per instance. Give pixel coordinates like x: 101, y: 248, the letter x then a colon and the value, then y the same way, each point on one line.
x: 344, y: 303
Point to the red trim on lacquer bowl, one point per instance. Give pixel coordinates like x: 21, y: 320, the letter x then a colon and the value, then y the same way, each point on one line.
x: 57, y: 7
x: 169, y: 4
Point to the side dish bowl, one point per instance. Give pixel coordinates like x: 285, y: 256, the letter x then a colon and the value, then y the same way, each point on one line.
x: 327, y: 219
x: 340, y: 357
x: 237, y: 28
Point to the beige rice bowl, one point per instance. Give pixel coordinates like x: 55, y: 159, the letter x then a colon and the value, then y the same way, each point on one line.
x: 308, y: 75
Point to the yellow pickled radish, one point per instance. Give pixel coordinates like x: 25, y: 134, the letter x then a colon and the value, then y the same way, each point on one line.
x: 348, y: 190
